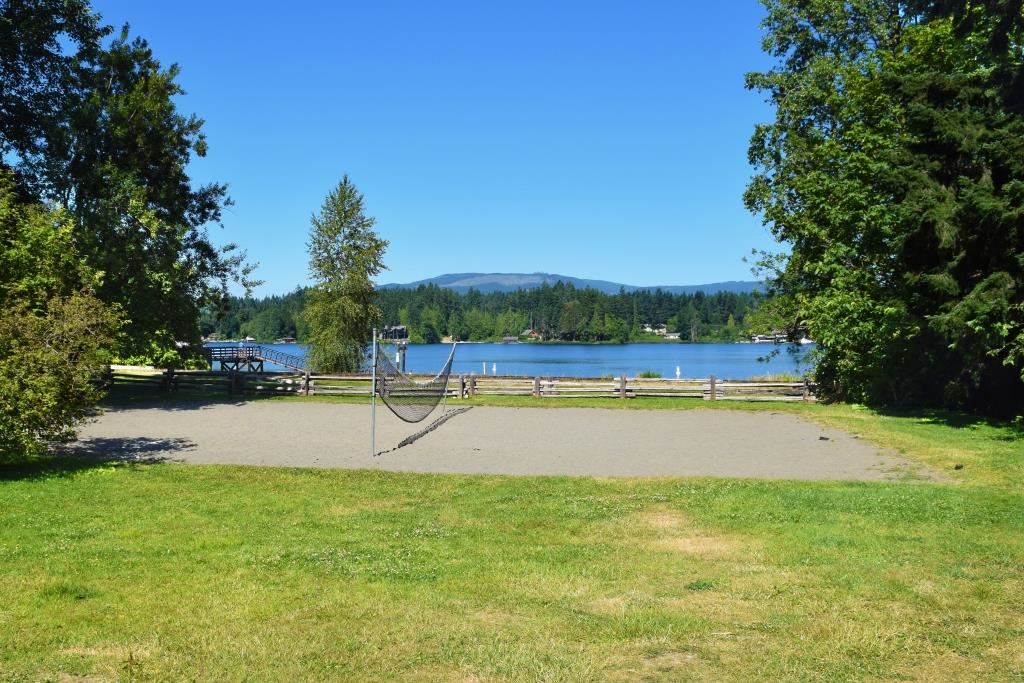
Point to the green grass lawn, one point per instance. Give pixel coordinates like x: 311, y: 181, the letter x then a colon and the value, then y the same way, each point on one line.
x: 177, y: 572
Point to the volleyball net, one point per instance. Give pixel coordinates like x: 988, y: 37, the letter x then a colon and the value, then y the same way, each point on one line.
x: 408, y: 399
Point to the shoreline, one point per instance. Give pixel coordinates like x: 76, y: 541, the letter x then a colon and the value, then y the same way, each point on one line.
x: 533, y: 343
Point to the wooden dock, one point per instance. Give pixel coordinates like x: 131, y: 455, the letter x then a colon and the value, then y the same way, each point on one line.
x: 251, y: 358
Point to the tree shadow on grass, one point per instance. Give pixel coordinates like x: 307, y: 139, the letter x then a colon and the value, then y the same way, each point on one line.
x: 133, y: 399
x: 69, y: 459
x: 1012, y: 431
x: 122, y: 398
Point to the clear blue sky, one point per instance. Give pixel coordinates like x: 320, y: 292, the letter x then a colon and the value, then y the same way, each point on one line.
x: 595, y: 139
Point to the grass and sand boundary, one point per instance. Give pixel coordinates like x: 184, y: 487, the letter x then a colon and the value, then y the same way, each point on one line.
x: 169, y: 571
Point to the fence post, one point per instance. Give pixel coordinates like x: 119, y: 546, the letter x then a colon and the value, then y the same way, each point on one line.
x: 306, y: 387
x: 233, y: 385
x: 713, y: 395
x: 472, y: 386
x: 168, y: 380
x: 622, y: 385
x: 462, y: 386
x: 807, y: 390
x: 536, y: 386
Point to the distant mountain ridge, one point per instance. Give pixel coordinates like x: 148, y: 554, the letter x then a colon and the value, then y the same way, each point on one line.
x: 509, y: 282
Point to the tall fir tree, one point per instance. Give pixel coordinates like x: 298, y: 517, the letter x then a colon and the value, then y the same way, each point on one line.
x: 344, y: 255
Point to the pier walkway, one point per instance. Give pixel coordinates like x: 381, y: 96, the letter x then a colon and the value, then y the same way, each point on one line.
x: 251, y: 357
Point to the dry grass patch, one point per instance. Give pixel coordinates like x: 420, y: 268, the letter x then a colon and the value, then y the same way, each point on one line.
x: 493, y: 618
x: 1011, y: 653
x: 702, y: 546
x: 947, y: 666
x: 723, y: 608
x: 616, y: 605
x: 610, y: 605
x: 356, y: 507
x: 657, y: 665
x: 107, y: 651
x: 663, y: 518
x: 664, y: 529
x: 440, y: 672
x: 670, y: 664
x: 71, y: 678
x: 108, y: 661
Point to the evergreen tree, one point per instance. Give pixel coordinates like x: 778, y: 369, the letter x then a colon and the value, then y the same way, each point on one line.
x: 344, y: 255
x: 894, y: 172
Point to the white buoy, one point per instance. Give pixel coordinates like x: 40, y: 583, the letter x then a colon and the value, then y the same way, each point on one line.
x: 494, y: 368
x: 677, y: 372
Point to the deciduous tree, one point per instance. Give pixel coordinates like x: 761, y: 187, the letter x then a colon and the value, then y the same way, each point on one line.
x: 94, y: 126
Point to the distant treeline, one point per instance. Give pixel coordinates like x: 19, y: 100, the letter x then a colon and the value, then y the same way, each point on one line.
x: 265, y: 319
x: 560, y: 312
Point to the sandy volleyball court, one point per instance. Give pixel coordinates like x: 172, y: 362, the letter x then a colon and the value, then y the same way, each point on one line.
x: 552, y: 441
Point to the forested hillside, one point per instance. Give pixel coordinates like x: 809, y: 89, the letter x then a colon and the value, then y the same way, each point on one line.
x: 560, y: 312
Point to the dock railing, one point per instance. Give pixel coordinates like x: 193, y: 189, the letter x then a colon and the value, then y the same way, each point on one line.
x: 248, y: 355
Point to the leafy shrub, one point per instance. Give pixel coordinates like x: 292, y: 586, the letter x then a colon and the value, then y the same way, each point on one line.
x: 53, y: 331
x: 48, y: 363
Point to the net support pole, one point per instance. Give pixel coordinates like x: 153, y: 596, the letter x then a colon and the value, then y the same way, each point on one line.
x: 373, y: 398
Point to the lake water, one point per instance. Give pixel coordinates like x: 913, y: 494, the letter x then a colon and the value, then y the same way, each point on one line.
x: 727, y: 361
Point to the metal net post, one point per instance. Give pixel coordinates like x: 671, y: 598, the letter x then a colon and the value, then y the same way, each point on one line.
x: 373, y: 399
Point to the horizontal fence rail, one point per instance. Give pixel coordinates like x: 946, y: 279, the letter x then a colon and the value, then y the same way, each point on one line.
x: 466, y: 386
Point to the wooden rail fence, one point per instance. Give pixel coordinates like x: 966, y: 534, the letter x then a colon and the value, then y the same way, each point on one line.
x: 465, y: 386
